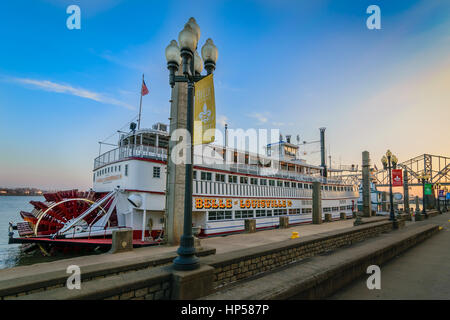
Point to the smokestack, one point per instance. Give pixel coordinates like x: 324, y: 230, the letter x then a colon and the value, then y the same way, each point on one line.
x: 322, y: 151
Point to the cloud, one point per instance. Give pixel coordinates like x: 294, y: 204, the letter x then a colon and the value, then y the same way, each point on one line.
x: 261, y: 117
x: 68, y: 89
x: 222, y: 120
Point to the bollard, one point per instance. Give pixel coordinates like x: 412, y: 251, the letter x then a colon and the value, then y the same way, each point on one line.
x: 122, y: 240
x: 284, y: 222
x: 250, y: 225
x: 328, y: 217
x: 317, y: 203
x: 294, y: 235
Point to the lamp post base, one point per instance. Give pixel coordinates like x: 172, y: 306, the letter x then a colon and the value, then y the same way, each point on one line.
x: 186, y: 260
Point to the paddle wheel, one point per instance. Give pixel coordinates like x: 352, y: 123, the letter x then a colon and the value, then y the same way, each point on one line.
x: 61, y: 208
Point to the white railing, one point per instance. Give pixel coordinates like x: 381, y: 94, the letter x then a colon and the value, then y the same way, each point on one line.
x: 130, y: 151
x: 254, y: 169
x: 203, y: 187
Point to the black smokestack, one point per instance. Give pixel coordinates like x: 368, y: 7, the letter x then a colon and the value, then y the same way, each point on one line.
x: 322, y: 151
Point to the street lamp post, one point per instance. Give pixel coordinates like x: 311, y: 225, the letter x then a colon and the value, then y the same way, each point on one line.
x: 424, y: 177
x: 390, y: 162
x: 438, y: 188
x: 445, y: 200
x: 187, y: 56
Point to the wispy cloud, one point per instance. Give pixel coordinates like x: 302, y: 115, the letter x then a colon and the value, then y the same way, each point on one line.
x: 261, y: 117
x: 68, y: 89
x: 222, y: 120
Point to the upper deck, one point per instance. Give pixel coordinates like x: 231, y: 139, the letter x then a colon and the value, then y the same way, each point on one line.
x: 153, y: 144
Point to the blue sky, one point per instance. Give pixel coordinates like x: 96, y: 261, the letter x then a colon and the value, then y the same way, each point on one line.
x: 292, y: 65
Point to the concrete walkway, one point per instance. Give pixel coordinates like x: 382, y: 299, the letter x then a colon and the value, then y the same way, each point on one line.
x: 221, y: 244
x: 247, y: 240
x: 423, y: 272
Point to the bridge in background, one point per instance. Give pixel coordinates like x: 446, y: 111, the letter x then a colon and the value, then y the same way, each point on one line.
x: 437, y: 167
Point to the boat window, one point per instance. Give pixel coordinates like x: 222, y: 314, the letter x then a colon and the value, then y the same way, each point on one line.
x: 220, y: 177
x: 253, y: 181
x: 263, y: 182
x: 279, y: 183
x: 206, y: 176
x: 240, y: 214
x: 232, y: 179
x: 293, y: 185
x: 126, y: 170
x: 260, y: 213
x: 286, y: 184
x: 156, y: 172
x: 272, y: 183
x: 244, y: 180
x: 300, y: 185
x: 219, y: 215
x: 194, y: 175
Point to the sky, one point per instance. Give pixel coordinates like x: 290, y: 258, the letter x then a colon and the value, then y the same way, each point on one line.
x: 290, y: 65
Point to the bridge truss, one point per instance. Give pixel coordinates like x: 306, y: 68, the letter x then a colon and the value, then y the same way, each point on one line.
x: 437, y: 167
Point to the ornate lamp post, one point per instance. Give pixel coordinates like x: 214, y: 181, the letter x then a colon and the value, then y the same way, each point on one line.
x: 438, y: 187
x: 424, y: 177
x: 187, y: 56
x: 445, y: 200
x: 390, y: 162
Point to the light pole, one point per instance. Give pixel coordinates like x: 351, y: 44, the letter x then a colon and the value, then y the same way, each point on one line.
x: 438, y: 188
x: 423, y: 177
x: 390, y: 162
x: 445, y: 199
x: 186, y: 55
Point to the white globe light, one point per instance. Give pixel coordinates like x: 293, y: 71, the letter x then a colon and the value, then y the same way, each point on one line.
x: 188, y: 38
x: 195, y: 27
x: 198, y: 63
x: 209, y: 51
x: 173, y: 52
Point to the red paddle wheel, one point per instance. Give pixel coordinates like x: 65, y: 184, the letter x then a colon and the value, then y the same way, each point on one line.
x: 59, y: 208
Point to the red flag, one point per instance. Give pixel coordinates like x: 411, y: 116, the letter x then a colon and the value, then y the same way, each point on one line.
x: 397, y: 178
x: 144, y: 89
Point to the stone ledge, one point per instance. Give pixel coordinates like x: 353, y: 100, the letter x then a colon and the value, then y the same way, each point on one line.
x: 374, y: 219
x: 105, y: 287
x: 321, y: 276
x: 254, y: 252
x: 15, y: 283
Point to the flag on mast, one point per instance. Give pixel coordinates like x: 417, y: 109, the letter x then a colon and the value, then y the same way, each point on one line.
x: 144, y: 89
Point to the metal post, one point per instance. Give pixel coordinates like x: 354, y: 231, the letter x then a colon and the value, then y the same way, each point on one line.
x: 186, y: 259
x: 391, y: 196
x: 424, y: 200
x: 140, y: 105
x: 406, y: 193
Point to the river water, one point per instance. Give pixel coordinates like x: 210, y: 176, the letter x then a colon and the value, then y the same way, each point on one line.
x: 12, y: 255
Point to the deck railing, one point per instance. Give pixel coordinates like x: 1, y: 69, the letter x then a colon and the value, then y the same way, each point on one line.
x: 130, y: 151
x: 268, y: 172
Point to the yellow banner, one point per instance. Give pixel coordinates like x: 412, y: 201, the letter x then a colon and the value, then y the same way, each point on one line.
x: 204, y: 111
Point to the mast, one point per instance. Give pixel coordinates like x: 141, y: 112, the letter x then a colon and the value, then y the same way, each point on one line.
x: 140, y: 105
